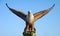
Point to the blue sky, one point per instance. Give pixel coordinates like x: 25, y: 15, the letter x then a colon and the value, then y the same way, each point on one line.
x: 12, y: 25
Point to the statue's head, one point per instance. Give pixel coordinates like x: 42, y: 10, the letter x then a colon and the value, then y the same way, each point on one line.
x: 29, y: 12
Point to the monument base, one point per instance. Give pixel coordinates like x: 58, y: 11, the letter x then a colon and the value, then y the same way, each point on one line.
x: 29, y: 33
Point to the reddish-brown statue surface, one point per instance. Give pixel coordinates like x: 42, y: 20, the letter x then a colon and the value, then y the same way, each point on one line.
x: 30, y: 18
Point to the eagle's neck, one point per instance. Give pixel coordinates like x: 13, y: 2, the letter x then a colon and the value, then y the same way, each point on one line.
x: 30, y: 17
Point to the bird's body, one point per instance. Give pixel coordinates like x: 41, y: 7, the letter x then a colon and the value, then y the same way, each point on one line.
x: 30, y: 18
x: 30, y: 21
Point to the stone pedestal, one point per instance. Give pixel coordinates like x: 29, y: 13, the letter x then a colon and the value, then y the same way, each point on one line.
x: 29, y: 33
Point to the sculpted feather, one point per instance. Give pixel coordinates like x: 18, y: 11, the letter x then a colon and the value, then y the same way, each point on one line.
x: 42, y: 13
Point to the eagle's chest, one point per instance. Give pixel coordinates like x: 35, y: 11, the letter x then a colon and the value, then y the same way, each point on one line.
x: 30, y: 18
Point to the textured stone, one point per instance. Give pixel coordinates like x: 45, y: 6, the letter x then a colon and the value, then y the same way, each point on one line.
x: 29, y: 33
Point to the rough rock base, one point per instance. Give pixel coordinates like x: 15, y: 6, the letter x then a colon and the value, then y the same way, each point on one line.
x: 29, y: 33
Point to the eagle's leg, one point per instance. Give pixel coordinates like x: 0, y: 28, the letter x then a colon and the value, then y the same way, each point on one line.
x: 32, y: 28
x: 27, y: 28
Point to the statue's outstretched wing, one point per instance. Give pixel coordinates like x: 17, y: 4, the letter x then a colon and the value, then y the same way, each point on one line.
x: 42, y: 13
x: 18, y: 13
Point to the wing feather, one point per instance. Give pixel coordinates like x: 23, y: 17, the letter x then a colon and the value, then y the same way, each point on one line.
x: 42, y: 13
x: 18, y: 13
